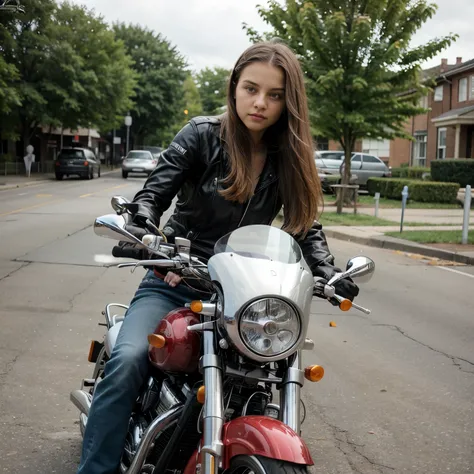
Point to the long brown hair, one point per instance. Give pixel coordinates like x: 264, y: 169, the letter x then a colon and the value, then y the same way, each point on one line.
x: 300, y: 187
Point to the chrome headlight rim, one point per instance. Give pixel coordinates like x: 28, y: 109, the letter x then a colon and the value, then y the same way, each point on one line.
x: 259, y: 356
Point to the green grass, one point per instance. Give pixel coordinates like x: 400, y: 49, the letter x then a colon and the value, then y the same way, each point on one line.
x: 349, y: 219
x: 433, y: 237
x: 394, y: 203
x: 333, y: 218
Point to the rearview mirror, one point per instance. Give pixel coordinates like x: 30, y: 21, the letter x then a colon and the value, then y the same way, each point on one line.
x: 118, y: 204
x: 361, y: 268
x: 112, y: 226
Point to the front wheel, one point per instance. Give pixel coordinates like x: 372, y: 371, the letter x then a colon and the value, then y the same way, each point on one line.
x: 262, y: 465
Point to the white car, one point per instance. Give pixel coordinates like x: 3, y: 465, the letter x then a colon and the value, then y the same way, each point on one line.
x: 138, y: 161
x: 363, y: 165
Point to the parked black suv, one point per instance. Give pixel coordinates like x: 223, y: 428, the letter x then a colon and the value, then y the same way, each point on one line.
x: 77, y: 161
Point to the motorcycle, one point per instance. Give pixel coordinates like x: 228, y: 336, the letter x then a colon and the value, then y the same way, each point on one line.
x: 208, y: 405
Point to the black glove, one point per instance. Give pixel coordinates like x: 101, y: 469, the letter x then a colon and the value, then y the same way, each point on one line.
x: 130, y: 250
x: 345, y: 287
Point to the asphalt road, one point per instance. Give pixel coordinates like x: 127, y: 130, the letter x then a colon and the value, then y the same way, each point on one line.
x: 397, y: 397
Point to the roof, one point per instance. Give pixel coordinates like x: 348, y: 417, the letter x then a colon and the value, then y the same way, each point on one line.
x: 82, y: 132
x: 462, y: 115
x: 458, y: 68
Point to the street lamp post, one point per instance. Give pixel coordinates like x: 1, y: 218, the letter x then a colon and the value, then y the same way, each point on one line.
x: 128, y: 123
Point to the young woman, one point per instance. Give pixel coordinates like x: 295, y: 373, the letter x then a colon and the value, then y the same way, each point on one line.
x: 228, y: 172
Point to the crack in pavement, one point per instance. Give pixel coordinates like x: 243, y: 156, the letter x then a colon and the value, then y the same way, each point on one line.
x: 8, y: 368
x: 453, y: 358
x: 337, y: 432
x: 342, y: 440
x: 92, y: 282
x: 18, y: 259
x: 87, y: 265
x: 15, y: 270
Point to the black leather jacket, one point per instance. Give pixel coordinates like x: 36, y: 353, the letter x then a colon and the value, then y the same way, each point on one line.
x: 193, y: 168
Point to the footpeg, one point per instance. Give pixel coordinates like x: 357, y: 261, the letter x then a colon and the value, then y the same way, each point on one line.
x: 88, y: 383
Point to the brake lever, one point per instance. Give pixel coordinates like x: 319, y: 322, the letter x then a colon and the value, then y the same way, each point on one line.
x: 153, y: 263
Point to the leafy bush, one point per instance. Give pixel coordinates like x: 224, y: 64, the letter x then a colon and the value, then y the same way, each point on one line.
x: 420, y: 191
x: 410, y: 173
x: 453, y: 171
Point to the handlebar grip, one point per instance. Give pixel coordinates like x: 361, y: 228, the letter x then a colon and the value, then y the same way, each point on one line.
x: 127, y: 252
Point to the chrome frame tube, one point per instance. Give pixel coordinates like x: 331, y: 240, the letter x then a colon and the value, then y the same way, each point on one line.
x: 158, y: 424
x: 213, y: 417
x: 290, y: 395
x: 108, y: 317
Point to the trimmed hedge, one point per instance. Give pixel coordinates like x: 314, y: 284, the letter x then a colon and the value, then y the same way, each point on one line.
x: 410, y: 173
x: 420, y: 191
x: 453, y: 171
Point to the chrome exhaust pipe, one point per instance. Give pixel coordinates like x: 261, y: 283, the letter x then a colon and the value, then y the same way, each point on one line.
x: 158, y: 424
x: 81, y: 400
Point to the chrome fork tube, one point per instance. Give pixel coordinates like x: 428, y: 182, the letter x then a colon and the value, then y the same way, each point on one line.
x: 213, y: 418
x: 290, y: 395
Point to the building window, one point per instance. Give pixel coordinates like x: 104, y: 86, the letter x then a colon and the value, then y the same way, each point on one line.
x: 471, y: 89
x: 462, y: 93
x: 419, y: 150
x: 423, y: 103
x: 438, y: 94
x: 322, y: 144
x: 441, y: 144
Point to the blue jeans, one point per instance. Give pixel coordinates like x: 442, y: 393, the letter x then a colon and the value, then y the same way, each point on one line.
x: 125, y: 372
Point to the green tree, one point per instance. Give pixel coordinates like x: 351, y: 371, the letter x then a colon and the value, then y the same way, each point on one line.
x: 359, y: 63
x: 71, y: 70
x: 192, y: 99
x: 25, y: 47
x: 9, y: 96
x: 212, y: 84
x: 92, y: 67
x: 160, y: 70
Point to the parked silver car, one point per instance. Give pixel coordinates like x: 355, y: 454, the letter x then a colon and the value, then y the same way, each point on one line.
x: 363, y: 165
x: 138, y: 161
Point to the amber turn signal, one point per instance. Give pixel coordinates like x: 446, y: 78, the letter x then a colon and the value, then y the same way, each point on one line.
x: 332, y: 324
x: 345, y: 305
x: 90, y: 357
x: 156, y: 340
x: 196, y: 306
x: 201, y: 394
x: 314, y: 373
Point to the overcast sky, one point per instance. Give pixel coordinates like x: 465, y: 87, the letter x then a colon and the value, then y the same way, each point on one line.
x: 209, y: 32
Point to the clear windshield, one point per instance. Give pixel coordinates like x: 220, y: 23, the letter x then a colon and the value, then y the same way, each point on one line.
x: 143, y: 155
x: 260, y: 241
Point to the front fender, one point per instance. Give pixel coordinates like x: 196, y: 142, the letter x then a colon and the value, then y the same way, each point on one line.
x: 263, y: 436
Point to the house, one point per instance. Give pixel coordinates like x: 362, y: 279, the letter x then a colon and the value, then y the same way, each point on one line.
x: 447, y: 129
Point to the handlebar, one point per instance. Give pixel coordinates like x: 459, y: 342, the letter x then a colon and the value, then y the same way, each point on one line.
x: 178, y: 257
x: 323, y: 290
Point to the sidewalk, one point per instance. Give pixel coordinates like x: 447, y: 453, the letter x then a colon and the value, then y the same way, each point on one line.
x: 374, y: 236
x: 20, y: 181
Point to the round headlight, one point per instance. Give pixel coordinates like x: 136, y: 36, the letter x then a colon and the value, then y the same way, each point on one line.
x: 269, y: 327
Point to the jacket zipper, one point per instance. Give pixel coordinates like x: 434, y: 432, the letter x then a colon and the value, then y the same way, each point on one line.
x: 245, y: 212
x: 250, y: 200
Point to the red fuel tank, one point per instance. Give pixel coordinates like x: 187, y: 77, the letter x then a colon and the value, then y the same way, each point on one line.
x: 182, y: 349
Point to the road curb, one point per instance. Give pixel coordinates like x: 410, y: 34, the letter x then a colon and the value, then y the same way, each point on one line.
x: 392, y: 243
x: 4, y: 187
